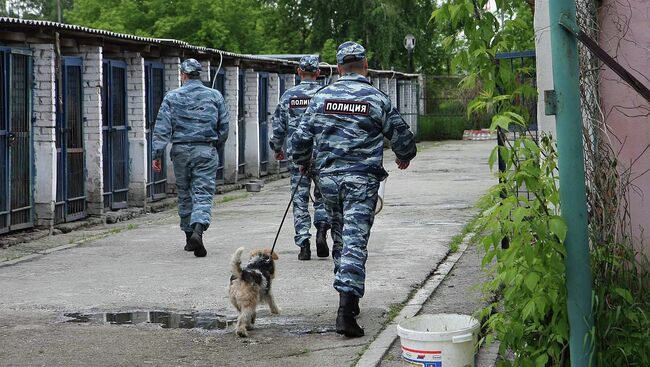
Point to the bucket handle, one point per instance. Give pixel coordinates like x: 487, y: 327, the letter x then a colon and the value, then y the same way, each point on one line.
x: 462, y: 338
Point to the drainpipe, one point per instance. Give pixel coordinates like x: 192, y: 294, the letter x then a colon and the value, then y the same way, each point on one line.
x: 573, y: 197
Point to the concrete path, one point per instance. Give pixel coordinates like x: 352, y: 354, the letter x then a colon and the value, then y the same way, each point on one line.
x: 141, y: 266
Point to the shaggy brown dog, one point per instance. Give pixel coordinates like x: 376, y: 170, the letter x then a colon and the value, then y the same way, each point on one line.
x: 250, y: 285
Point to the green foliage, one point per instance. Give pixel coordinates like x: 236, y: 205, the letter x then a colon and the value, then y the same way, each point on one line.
x: 530, y: 274
x: 621, y: 306
x: 433, y: 127
x: 279, y: 26
x: 482, y: 34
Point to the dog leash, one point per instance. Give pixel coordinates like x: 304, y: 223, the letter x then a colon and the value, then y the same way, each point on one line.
x: 287, y: 210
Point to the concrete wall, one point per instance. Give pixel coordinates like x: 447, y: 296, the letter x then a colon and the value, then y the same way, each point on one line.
x: 624, y: 35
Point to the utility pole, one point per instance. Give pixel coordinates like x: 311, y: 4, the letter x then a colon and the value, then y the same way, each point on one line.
x: 58, y: 10
x: 564, y: 102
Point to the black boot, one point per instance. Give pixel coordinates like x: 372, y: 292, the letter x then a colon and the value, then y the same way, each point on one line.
x: 321, y: 240
x: 345, y: 322
x: 355, y: 307
x: 305, y: 251
x: 196, y: 241
x: 188, y: 235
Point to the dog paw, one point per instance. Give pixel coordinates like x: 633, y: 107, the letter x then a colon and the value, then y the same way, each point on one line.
x: 242, y: 333
x: 276, y: 310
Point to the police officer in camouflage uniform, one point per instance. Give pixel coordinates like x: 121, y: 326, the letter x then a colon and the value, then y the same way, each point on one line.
x: 348, y: 121
x: 293, y: 104
x: 194, y: 118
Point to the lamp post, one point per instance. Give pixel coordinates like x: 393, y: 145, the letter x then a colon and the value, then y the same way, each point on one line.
x: 409, y: 44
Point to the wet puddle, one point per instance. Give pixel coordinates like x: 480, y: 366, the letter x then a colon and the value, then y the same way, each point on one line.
x: 167, y: 320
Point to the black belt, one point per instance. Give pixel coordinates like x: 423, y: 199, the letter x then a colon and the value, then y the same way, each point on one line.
x: 210, y: 143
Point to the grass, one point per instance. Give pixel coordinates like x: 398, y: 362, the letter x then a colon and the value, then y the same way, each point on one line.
x: 131, y: 226
x: 394, y: 309
x: 227, y: 198
x: 455, y: 242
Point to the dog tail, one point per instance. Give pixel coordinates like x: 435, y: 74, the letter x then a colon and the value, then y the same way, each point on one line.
x: 235, y: 263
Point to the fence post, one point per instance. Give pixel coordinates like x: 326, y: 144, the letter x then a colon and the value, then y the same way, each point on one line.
x: 573, y: 198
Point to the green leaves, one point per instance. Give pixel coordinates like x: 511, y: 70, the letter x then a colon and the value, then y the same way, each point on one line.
x: 530, y: 274
x: 558, y: 227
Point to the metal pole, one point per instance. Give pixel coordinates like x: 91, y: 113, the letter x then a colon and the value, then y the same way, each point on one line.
x: 573, y: 197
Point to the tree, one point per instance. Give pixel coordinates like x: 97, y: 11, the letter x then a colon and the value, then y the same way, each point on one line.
x: 280, y: 26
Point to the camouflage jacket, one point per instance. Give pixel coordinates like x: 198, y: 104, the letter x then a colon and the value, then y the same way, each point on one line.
x: 348, y: 121
x: 293, y: 104
x: 190, y: 114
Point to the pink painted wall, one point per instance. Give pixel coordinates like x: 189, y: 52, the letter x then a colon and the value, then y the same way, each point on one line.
x: 625, y: 35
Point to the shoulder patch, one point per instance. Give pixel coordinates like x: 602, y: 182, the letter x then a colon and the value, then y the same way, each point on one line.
x: 334, y: 107
x: 299, y: 102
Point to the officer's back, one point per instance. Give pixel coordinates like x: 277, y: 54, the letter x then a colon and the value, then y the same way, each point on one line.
x: 195, y: 112
x: 349, y: 120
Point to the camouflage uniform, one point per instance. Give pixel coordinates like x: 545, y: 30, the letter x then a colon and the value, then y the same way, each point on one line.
x: 194, y: 118
x: 293, y: 104
x: 348, y: 120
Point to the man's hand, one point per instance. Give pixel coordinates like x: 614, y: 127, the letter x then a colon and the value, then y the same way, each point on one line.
x: 402, y: 165
x: 279, y: 156
x: 305, y: 169
x: 156, y: 164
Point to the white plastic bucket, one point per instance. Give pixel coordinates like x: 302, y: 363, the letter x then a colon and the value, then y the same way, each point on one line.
x: 440, y: 340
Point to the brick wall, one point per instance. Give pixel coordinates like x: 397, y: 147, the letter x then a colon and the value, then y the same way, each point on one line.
x: 44, y: 101
x: 206, y: 76
x: 138, y: 162
x: 232, y: 145
x: 252, y: 123
x: 92, y: 105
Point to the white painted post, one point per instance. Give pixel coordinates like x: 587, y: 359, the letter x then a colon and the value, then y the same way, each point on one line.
x: 44, y: 101
x: 92, y: 105
x: 252, y: 124
x: 231, y: 149
x: 138, y: 162
x: 206, y: 75
x: 544, y: 63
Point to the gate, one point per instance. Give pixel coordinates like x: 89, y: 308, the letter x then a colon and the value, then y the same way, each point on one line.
x: 154, y: 76
x: 70, y: 184
x: 521, y: 64
x: 283, y: 165
x: 263, y: 115
x: 241, y: 127
x: 16, y: 155
x: 114, y: 132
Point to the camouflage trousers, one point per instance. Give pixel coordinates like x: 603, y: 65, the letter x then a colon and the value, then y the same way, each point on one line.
x: 350, y: 201
x: 301, y: 217
x: 195, y: 168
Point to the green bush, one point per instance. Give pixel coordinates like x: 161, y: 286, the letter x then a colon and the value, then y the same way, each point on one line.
x: 433, y: 127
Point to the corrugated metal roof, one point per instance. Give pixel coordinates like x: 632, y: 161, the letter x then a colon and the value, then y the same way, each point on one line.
x: 4, y: 21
